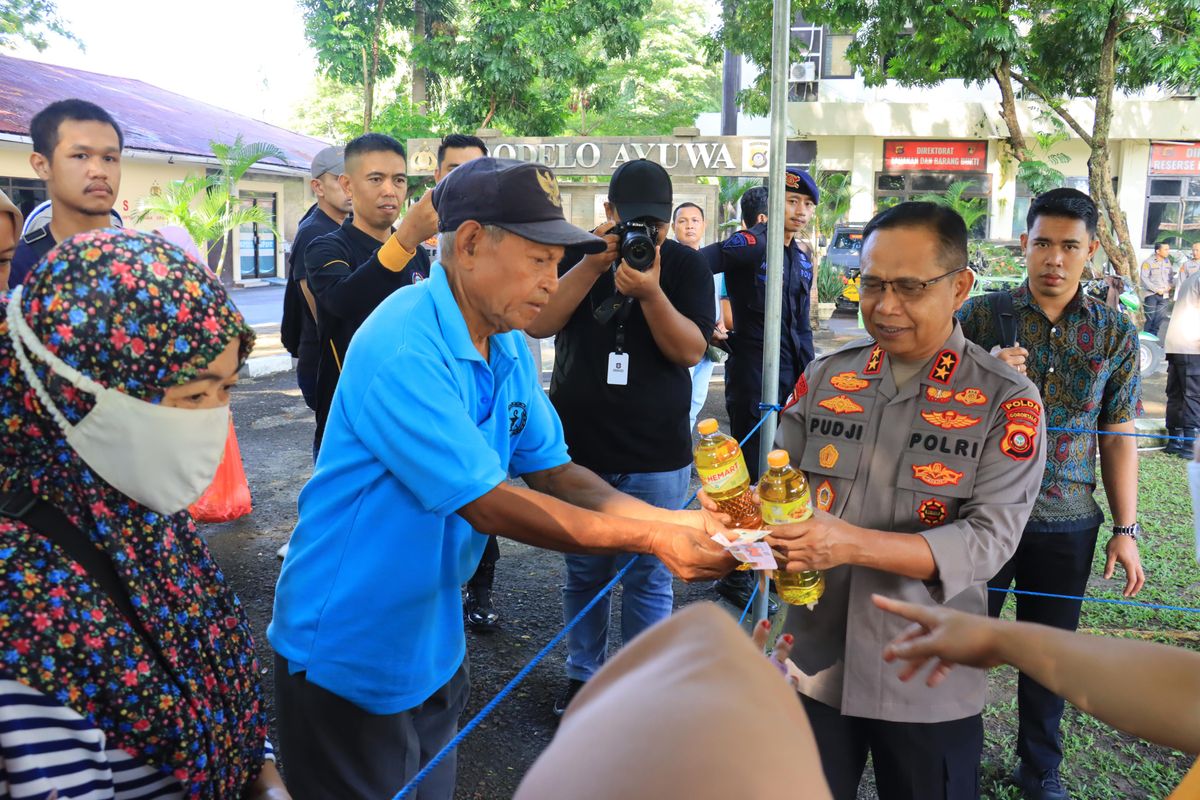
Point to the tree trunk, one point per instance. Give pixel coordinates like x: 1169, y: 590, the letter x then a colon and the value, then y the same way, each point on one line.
x: 1116, y: 241
x: 373, y: 70
x: 1008, y: 110
x: 420, y: 91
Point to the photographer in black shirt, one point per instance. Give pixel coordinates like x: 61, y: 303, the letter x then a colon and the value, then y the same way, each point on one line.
x: 629, y: 323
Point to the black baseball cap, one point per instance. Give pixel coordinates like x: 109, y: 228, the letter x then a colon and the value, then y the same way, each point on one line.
x: 640, y: 189
x: 518, y: 196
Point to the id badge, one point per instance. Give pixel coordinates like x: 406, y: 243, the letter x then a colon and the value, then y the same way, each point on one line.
x: 618, y: 369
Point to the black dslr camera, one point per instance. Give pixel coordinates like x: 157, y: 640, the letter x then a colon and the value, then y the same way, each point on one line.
x: 636, y: 240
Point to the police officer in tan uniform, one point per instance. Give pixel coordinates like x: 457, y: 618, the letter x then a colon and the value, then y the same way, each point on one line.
x: 926, y: 454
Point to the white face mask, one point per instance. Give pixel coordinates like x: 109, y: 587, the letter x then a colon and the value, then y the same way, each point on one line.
x: 162, y: 457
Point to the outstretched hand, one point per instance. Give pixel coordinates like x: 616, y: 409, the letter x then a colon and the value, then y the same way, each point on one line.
x: 779, y: 655
x: 939, y: 635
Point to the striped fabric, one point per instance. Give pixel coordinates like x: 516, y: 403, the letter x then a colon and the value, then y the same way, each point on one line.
x: 45, y: 747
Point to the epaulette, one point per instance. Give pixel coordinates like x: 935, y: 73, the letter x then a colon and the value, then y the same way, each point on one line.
x: 36, y: 235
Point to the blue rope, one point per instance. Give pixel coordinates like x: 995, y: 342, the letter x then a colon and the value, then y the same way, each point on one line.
x: 1123, y: 433
x: 749, y: 603
x: 1109, y: 600
x: 412, y: 785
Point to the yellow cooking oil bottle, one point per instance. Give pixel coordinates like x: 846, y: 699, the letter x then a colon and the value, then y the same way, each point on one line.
x: 722, y: 469
x: 785, y: 500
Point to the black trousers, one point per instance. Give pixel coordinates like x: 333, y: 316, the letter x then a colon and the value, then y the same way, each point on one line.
x: 485, y: 573
x: 333, y: 750
x: 1058, y: 563
x: 1183, y: 392
x: 1155, y: 308
x: 913, y: 760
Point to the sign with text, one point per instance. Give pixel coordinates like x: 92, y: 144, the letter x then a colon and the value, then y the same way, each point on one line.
x: 910, y: 155
x: 577, y: 155
x: 1175, y: 158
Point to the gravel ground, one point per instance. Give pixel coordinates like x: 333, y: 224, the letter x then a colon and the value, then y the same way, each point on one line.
x: 275, y: 433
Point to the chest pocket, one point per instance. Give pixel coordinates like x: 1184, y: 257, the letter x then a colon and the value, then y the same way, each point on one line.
x: 833, y: 450
x: 938, y: 466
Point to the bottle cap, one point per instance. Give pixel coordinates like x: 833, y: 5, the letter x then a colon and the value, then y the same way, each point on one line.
x: 706, y: 426
x: 778, y: 459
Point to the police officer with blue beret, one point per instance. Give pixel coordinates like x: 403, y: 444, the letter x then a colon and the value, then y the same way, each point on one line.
x: 743, y: 259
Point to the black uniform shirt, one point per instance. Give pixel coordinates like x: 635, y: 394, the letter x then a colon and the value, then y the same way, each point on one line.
x: 349, y: 282
x: 643, y: 426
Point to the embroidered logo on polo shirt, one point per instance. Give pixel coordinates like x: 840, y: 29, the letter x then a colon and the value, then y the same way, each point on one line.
x: 825, y: 496
x: 938, y: 395
x: 932, y: 512
x: 874, y: 361
x: 518, y: 415
x: 848, y: 382
x: 971, y: 397
x: 936, y: 474
x: 949, y: 420
x: 943, y: 366
x: 841, y: 405
x: 828, y: 456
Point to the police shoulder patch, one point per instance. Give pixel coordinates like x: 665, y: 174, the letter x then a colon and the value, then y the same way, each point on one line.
x: 798, y: 391
x: 741, y: 239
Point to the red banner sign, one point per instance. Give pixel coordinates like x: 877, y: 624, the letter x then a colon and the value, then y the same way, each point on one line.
x: 952, y: 156
x: 1175, y: 159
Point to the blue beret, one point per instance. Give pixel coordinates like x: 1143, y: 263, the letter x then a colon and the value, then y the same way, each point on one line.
x: 797, y: 180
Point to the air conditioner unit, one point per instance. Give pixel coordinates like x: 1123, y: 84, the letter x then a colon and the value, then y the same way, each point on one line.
x: 803, y: 72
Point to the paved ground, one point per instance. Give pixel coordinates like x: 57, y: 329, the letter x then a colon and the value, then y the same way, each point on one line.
x: 275, y: 433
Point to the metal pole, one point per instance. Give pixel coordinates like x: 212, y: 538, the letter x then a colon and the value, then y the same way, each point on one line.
x: 780, y: 57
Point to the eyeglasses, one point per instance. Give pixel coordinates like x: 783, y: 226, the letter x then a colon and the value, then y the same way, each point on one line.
x: 906, y: 288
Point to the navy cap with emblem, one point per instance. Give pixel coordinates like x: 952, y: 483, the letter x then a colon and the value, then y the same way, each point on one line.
x: 797, y: 180
x: 518, y: 196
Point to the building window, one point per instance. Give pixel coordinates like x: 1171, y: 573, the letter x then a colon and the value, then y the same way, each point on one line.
x: 25, y: 193
x: 833, y: 57
x: 1025, y: 198
x: 894, y: 188
x: 1173, y: 211
x: 256, y: 243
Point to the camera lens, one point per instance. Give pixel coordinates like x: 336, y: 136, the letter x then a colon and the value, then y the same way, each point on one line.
x: 638, y: 249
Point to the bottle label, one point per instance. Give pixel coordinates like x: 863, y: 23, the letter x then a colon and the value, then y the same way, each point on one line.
x: 725, y: 478
x: 787, y: 513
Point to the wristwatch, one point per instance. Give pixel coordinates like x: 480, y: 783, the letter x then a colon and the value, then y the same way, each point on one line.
x: 1133, y: 531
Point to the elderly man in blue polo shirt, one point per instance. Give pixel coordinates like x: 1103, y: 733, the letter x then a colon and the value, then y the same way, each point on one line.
x: 439, y: 403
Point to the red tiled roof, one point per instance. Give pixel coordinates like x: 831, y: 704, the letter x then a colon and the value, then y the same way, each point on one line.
x: 151, y: 118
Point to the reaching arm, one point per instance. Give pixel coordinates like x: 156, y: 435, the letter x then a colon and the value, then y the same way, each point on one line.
x: 572, y: 510
x: 572, y: 288
x: 1149, y: 690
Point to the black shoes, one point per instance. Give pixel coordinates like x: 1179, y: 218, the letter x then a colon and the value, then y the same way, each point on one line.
x: 564, y: 699
x: 736, y: 587
x: 1047, y: 786
x: 481, y: 614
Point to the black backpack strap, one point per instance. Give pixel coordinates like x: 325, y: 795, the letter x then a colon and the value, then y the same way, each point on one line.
x: 1004, y: 318
x: 21, y: 504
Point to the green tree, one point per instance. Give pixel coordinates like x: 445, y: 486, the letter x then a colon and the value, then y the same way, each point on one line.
x: 973, y: 210
x: 1049, y: 51
x: 836, y: 193
x: 665, y: 88
x: 516, y: 65
x: 207, y: 206
x: 30, y: 21
x: 361, y: 43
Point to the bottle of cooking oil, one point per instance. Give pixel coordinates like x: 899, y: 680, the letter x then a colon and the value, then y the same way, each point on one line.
x: 722, y: 470
x: 785, y: 500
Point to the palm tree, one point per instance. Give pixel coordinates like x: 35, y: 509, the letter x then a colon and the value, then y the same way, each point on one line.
x: 971, y: 209
x: 836, y: 194
x: 206, y: 206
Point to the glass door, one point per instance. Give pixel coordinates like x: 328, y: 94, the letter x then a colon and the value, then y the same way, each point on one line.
x: 256, y: 243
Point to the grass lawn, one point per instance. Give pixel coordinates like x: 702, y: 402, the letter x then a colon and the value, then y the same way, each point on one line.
x: 1099, y: 762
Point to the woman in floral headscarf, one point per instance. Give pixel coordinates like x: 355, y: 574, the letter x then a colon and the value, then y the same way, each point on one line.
x: 116, y: 360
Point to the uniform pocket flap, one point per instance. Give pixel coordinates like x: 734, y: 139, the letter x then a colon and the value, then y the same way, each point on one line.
x: 831, y: 458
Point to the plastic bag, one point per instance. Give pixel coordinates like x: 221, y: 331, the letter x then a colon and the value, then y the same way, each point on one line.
x: 229, y: 495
